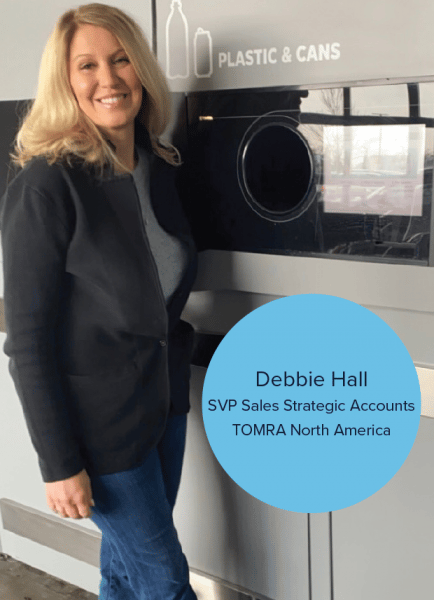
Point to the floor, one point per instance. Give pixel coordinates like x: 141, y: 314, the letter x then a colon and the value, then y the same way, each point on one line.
x: 21, y: 582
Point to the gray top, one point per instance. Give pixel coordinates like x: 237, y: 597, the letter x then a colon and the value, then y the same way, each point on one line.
x: 169, y: 252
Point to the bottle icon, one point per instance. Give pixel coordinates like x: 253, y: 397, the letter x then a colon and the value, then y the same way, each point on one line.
x: 177, y: 63
x: 202, y: 53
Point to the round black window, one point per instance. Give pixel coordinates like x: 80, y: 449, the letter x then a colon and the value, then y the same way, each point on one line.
x: 277, y: 171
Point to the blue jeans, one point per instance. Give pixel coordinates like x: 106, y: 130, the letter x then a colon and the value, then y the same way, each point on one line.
x: 141, y: 557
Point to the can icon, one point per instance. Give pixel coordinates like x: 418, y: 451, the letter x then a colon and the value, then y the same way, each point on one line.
x: 177, y: 43
x: 202, y: 53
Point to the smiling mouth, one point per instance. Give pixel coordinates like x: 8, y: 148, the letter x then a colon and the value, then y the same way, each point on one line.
x: 112, y: 100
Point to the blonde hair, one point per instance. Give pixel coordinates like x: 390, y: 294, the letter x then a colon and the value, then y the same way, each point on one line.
x: 55, y: 126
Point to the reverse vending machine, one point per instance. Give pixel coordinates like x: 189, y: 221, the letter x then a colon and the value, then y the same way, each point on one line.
x: 309, y: 133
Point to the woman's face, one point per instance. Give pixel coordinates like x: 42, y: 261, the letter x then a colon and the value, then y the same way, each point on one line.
x: 103, y: 80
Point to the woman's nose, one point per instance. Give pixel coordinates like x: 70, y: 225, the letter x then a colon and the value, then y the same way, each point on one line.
x: 107, y: 75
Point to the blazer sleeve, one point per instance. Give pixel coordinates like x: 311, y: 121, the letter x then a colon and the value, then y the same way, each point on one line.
x: 35, y: 240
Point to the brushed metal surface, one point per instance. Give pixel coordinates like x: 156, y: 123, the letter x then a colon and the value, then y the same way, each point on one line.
x: 59, y: 534
x: 426, y: 382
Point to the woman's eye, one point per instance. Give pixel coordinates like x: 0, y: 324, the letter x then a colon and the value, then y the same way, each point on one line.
x: 87, y: 66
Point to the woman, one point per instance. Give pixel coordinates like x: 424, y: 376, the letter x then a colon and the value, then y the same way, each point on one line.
x: 98, y: 265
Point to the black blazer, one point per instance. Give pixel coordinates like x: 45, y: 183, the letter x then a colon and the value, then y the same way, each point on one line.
x: 97, y: 358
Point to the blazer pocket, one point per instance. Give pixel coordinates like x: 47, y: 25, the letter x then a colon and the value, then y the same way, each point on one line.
x: 105, y: 408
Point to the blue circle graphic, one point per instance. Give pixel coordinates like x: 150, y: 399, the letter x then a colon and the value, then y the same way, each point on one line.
x: 311, y: 403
